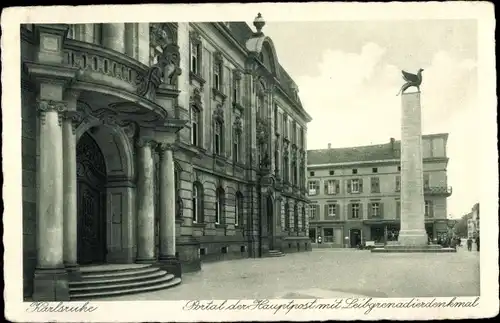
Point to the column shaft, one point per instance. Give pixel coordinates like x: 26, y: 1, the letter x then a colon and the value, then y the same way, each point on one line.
x: 412, y: 194
x: 143, y: 43
x: 50, y: 213
x: 69, y: 204
x: 167, y: 205
x: 145, y: 204
x: 113, y: 36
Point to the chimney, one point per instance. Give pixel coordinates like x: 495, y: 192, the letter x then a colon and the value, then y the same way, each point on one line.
x: 329, y: 146
x: 392, y: 143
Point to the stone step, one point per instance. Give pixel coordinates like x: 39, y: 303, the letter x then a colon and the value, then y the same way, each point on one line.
x: 121, y: 285
x: 106, y: 274
x: 112, y: 269
x: 127, y: 290
x: 94, y: 280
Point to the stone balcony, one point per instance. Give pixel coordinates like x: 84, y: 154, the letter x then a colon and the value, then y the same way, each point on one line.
x: 438, y: 190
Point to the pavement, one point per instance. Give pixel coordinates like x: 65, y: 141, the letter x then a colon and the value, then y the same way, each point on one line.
x: 329, y: 273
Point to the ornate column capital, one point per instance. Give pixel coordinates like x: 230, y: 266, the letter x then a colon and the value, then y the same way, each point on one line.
x: 44, y: 106
x: 74, y: 117
x: 144, y: 142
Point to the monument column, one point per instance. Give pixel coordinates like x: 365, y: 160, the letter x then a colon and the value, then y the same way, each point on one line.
x: 412, y: 232
x: 50, y: 279
x: 145, y: 202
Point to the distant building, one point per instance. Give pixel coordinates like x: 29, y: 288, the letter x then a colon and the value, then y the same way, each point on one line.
x: 473, y: 222
x: 355, y: 192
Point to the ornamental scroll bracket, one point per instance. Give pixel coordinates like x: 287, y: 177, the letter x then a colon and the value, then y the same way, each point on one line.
x: 195, y: 99
x: 238, y: 127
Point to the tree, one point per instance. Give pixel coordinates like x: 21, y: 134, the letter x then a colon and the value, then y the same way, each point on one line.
x: 461, y: 226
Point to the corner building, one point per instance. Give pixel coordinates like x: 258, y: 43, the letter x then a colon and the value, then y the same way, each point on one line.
x: 167, y: 144
x: 355, y: 192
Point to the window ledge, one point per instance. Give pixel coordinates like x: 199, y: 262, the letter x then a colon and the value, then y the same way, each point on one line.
x: 199, y: 225
x: 197, y: 78
x: 221, y: 226
x: 238, y: 106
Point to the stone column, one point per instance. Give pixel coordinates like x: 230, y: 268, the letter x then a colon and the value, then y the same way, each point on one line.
x: 143, y: 43
x: 113, y: 36
x: 167, y: 203
x: 145, y: 202
x: 412, y: 231
x: 70, y: 187
x: 50, y: 279
x: 168, y: 259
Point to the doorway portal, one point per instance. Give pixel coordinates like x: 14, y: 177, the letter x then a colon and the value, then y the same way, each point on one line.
x: 91, y: 201
x: 355, y: 237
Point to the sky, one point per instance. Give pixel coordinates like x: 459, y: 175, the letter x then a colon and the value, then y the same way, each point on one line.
x: 349, y: 73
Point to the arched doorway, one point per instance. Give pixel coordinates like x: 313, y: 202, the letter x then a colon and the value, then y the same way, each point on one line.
x: 91, y: 201
x: 270, y: 221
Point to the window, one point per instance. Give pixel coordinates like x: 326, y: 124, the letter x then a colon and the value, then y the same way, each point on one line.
x: 355, y: 185
x: 354, y: 171
x: 355, y: 211
x: 331, y: 187
x: 398, y: 183
x: 374, y: 170
x: 238, y: 216
x: 375, y: 185
x: 195, y: 126
x: 375, y: 210
x: 236, y: 146
x: 428, y: 208
x: 218, y: 76
x: 294, y: 172
x: 296, y: 218
x: 312, y: 212
x: 328, y: 232
x: 398, y: 209
x: 285, y: 126
x: 196, y: 203
x: 332, y: 172
x: 260, y: 106
x: 218, y: 138
x: 287, y: 216
x: 219, y: 206
x: 332, y: 210
x: 399, y: 168
x: 195, y: 58
x: 311, y: 173
x: 304, y: 218
x: 177, y: 184
x: 313, y: 187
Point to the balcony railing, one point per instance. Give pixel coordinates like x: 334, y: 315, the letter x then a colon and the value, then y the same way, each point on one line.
x: 438, y: 190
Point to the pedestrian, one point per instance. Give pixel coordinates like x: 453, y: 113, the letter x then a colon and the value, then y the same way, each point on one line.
x: 477, y: 242
x: 469, y: 243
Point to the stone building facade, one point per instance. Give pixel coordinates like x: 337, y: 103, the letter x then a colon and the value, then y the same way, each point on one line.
x: 172, y: 143
x: 355, y: 192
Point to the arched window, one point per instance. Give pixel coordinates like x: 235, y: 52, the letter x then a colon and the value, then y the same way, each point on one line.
x: 238, y: 211
x: 236, y: 146
x: 197, y: 203
x: 218, y: 138
x: 195, y: 126
x: 219, y: 206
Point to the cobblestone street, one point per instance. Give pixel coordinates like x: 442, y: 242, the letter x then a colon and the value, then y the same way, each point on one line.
x: 329, y: 273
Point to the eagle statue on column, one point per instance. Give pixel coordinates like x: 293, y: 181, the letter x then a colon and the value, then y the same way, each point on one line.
x: 411, y: 80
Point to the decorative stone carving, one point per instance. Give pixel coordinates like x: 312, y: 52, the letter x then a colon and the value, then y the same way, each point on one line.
x: 143, y: 142
x: 262, y: 131
x: 157, y: 35
x: 195, y: 37
x: 179, y: 206
x: 237, y: 75
x: 45, y: 106
x: 75, y: 117
x: 171, y: 57
x: 149, y: 82
x: 238, y: 127
x: 219, y: 114
x: 195, y: 99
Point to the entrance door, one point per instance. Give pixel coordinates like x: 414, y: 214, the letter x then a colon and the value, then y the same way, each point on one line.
x: 355, y: 237
x: 270, y: 222
x: 91, y: 199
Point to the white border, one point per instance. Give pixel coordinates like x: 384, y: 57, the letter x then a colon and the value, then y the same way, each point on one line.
x: 172, y: 311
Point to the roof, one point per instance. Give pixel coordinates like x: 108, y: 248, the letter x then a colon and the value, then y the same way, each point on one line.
x: 381, y: 152
x: 242, y: 32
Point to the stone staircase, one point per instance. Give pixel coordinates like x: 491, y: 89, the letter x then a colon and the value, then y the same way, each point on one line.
x: 275, y: 253
x: 116, y: 280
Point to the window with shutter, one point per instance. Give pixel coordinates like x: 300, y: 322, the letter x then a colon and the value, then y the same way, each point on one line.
x: 349, y: 186
x: 370, y: 210
x: 326, y: 188
x: 398, y: 209
x: 325, y: 208
x: 381, y: 210
x: 360, y: 216
x: 337, y: 210
x: 337, y: 187
x: 398, y: 183
x: 361, y: 185
x: 349, y: 211
x: 426, y: 181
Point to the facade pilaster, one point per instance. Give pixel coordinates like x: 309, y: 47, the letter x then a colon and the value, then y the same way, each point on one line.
x: 113, y: 36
